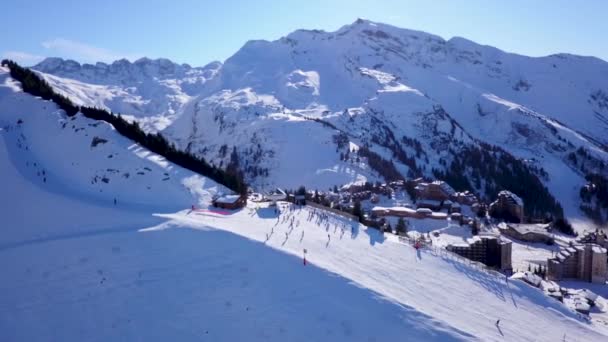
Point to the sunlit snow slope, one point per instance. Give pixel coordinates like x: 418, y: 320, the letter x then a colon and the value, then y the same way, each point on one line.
x: 78, y: 267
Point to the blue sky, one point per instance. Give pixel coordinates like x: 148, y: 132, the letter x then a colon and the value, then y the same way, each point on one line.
x: 197, y: 32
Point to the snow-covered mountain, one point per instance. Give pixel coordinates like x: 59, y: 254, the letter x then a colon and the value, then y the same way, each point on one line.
x: 79, y: 266
x: 150, y: 90
x: 293, y: 107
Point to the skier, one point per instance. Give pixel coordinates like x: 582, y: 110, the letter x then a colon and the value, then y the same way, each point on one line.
x: 115, y: 201
x: 498, y: 322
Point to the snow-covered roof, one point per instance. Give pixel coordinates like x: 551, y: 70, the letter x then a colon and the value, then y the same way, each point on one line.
x: 527, y: 228
x: 438, y: 215
x: 228, y: 199
x: 421, y: 186
x: 429, y: 202
x: 446, y: 187
x: 397, y: 209
x: 592, y: 296
x: 276, y: 194
x: 528, y: 277
x: 549, y: 286
x: 277, y: 191
x: 511, y: 195
x: 582, y: 306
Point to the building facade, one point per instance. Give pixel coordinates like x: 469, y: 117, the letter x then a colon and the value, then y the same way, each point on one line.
x: 587, y: 262
x: 230, y: 202
x: 488, y: 250
x: 436, y: 191
x: 508, y: 206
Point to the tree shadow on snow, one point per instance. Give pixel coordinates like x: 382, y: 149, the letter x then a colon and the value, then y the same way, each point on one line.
x: 354, y: 231
x: 375, y: 236
x: 487, y: 281
x: 267, y: 213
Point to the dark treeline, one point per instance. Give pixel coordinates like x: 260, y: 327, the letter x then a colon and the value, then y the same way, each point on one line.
x: 36, y: 86
x: 387, y: 139
x: 384, y: 167
x: 501, y: 171
x: 595, y: 197
x: 598, y: 188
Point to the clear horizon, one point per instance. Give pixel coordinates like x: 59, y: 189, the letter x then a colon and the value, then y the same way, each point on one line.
x: 199, y: 32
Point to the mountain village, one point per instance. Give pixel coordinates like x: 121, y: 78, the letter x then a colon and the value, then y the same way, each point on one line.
x: 490, y: 235
x: 239, y: 194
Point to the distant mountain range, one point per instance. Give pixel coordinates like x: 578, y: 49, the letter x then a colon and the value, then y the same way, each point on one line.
x: 365, y: 103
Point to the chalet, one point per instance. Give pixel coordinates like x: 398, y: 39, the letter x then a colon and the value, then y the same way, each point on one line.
x: 361, y: 195
x: 397, y: 184
x: 355, y: 188
x: 424, y: 212
x: 527, y: 232
x: 395, y: 211
x: 457, y: 217
x: 466, y: 198
x: 230, y: 202
x: 429, y: 204
x: 414, y: 182
x: 276, y: 195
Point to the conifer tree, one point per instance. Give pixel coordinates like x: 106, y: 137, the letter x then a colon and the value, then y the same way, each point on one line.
x: 401, y: 226
x: 357, y: 210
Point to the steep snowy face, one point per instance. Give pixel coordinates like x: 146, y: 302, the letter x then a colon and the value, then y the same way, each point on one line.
x: 294, y: 108
x: 339, y: 69
x: 151, y: 91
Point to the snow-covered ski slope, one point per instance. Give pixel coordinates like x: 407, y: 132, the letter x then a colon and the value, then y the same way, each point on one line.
x: 76, y: 267
x: 80, y: 165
